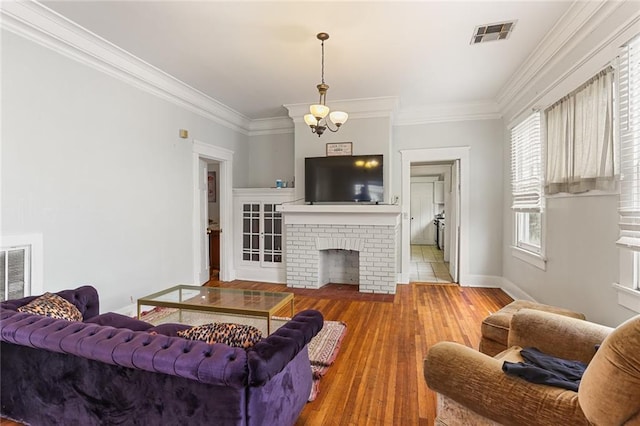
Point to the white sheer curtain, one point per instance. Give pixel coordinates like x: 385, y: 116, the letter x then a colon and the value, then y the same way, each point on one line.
x: 580, y: 139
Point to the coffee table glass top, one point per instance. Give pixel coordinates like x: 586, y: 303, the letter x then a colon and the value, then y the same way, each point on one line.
x: 219, y: 299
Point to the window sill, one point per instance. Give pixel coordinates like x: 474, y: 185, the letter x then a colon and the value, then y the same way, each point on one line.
x: 531, y: 258
x: 628, y: 297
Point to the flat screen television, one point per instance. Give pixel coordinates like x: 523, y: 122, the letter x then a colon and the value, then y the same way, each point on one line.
x: 344, y: 179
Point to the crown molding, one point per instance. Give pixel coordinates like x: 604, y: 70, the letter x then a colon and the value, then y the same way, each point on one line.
x: 271, y: 126
x: 357, y: 108
x: 484, y: 110
x: 576, y: 24
x: 37, y: 23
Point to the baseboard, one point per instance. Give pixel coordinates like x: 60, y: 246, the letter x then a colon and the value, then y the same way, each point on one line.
x: 269, y: 275
x: 490, y: 281
x: 514, y: 291
x: 129, y: 310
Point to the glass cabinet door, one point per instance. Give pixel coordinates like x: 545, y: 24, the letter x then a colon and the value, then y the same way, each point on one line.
x: 251, y: 232
x: 261, y: 233
x: 272, y: 234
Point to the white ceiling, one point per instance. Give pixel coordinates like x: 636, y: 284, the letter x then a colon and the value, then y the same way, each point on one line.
x: 256, y: 56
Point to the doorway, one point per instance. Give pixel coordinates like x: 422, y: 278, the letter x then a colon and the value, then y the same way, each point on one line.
x: 213, y: 216
x: 430, y: 201
x: 203, y: 156
x: 456, y: 233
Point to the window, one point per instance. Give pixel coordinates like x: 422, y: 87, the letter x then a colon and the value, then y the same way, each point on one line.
x: 528, y: 230
x: 526, y: 182
x: 629, y: 111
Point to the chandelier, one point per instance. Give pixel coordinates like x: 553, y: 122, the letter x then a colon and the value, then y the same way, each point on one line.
x: 318, y: 120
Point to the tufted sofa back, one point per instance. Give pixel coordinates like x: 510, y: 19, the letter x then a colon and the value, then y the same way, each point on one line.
x: 216, y: 364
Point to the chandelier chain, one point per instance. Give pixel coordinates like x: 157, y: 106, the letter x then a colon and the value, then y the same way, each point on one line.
x: 322, y: 61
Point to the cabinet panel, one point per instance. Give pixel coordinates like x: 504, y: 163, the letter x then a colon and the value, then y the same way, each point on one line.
x: 259, y: 230
x: 214, y: 250
x: 272, y: 234
x: 251, y: 232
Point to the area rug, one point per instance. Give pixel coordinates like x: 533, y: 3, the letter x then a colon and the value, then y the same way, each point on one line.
x: 323, y: 348
x: 323, y: 351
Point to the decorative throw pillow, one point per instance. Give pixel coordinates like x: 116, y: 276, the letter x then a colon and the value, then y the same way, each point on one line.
x: 237, y: 335
x: 54, y: 306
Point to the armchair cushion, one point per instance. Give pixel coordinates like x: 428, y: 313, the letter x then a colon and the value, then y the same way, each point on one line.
x: 477, y: 381
x: 495, y: 327
x: 610, y: 389
x: 608, y: 393
x: 557, y: 335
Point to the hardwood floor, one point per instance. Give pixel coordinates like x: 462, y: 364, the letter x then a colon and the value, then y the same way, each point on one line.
x: 377, y: 378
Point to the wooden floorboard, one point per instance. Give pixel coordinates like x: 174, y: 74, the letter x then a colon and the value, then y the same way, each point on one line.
x: 377, y: 378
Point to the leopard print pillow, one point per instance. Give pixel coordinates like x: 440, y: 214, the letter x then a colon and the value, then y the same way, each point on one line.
x: 236, y: 335
x: 54, y: 306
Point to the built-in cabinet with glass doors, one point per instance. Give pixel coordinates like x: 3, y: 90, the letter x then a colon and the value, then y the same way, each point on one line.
x: 260, y: 233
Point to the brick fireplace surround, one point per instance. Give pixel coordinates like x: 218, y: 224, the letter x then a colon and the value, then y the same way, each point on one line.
x: 372, y: 231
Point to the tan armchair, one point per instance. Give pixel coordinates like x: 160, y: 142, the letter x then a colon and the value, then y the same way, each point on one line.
x: 473, y: 389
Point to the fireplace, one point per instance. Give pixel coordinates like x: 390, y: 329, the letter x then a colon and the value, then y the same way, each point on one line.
x: 362, y: 240
x: 339, y: 267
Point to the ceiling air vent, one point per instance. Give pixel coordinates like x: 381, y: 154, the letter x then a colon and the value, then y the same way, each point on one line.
x: 490, y: 32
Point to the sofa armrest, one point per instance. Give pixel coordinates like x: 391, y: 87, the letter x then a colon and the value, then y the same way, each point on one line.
x: 269, y: 356
x: 557, y: 335
x: 477, y: 381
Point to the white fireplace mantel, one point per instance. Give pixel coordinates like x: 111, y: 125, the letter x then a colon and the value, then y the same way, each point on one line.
x: 341, y: 214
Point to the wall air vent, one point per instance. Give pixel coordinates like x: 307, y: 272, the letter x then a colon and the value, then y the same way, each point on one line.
x: 491, y: 32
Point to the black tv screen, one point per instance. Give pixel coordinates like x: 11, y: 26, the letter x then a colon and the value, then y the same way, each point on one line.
x: 344, y: 179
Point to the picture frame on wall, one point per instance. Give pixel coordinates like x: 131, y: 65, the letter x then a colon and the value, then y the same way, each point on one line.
x: 211, y: 186
x: 340, y: 148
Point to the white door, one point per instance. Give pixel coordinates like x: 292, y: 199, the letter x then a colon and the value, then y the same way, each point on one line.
x: 203, y: 222
x: 453, y: 221
x: 422, y: 227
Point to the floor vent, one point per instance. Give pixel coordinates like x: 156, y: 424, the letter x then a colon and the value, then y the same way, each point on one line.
x: 491, y: 32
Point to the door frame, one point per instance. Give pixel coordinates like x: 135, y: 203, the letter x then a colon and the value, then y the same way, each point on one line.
x: 224, y: 156
x: 410, y: 156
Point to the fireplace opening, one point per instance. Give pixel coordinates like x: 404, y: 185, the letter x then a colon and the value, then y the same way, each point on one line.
x: 339, y: 266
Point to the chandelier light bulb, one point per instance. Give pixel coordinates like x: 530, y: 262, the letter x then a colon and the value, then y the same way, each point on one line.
x: 338, y: 117
x: 319, y: 111
x: 310, y: 120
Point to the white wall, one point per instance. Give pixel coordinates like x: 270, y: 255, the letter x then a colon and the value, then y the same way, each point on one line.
x: 271, y: 157
x: 581, y: 231
x: 97, y: 167
x: 485, y: 139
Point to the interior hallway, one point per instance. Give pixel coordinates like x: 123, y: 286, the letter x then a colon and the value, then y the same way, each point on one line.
x: 427, y: 265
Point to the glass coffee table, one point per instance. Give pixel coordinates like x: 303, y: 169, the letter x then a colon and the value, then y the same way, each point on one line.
x: 249, y: 303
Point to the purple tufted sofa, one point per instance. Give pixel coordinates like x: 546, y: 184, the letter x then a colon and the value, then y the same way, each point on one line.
x: 110, y: 369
